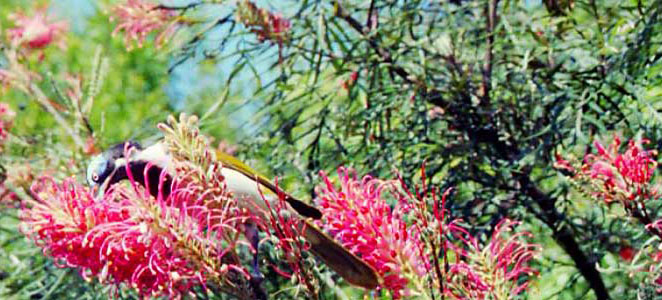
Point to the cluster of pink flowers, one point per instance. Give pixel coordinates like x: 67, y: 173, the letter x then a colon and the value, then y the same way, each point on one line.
x: 266, y: 25
x: 494, y: 270
x: 110, y: 242
x: 36, y: 31
x: 392, y: 240
x: 159, y: 246
x: 629, y: 172
x: 138, y: 18
x: 358, y: 215
x: 623, y: 176
x: 617, y: 176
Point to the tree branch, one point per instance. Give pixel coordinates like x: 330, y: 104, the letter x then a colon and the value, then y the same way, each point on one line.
x: 383, y: 53
x: 564, y: 236
x: 486, y: 85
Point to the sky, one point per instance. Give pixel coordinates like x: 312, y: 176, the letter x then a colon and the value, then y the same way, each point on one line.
x: 186, y: 81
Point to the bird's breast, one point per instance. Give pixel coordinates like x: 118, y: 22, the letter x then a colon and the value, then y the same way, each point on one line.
x: 247, y: 190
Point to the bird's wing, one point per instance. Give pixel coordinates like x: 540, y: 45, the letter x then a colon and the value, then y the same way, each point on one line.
x: 299, y: 206
x: 241, y: 178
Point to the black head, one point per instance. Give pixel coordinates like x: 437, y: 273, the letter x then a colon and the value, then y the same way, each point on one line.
x: 104, y: 165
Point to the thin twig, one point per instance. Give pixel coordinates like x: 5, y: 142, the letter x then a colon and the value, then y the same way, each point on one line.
x: 41, y: 98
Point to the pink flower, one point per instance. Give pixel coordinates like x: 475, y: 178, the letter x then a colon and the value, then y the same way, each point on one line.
x: 159, y: 246
x: 36, y: 31
x: 138, y: 18
x: 495, y: 269
x: 358, y: 215
x: 629, y: 172
x: 267, y: 25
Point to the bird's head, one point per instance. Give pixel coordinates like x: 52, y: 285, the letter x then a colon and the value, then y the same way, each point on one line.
x: 99, y: 168
x: 104, y: 165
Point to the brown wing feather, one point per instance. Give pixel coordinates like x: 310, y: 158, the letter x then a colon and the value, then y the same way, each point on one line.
x: 338, y: 258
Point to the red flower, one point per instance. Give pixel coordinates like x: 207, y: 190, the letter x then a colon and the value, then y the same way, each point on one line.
x: 358, y: 215
x: 354, y: 77
x: 563, y: 164
x: 626, y: 253
x: 159, y: 246
x: 657, y: 256
x: 36, y: 31
x: 628, y: 173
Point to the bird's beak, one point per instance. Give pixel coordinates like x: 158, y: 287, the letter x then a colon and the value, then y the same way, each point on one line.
x: 94, y: 187
x: 101, y: 188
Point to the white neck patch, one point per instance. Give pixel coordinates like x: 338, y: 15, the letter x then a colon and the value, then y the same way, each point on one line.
x: 155, y: 154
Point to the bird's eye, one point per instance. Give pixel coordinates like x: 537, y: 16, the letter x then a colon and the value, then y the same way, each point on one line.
x: 95, y: 177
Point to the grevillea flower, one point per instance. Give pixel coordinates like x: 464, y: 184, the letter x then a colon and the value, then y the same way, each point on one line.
x: 157, y: 246
x: 108, y: 239
x: 137, y: 18
x: 626, y: 174
x: 160, y: 245
x: 36, y: 31
x: 358, y: 215
x: 267, y: 25
x: 493, y: 271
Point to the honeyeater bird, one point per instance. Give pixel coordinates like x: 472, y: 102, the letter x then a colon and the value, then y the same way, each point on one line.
x: 110, y: 167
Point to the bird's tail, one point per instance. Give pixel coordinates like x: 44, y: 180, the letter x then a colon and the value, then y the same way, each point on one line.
x: 338, y: 258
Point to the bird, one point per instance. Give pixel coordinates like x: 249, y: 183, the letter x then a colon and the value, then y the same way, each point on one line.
x: 110, y: 167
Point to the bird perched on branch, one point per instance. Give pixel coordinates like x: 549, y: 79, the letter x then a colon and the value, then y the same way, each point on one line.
x: 110, y: 167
